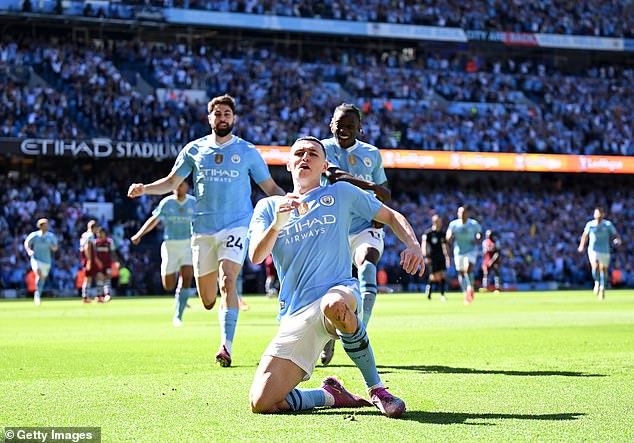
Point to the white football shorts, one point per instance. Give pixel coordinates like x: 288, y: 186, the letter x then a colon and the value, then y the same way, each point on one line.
x: 208, y: 249
x: 44, y: 268
x: 174, y: 254
x: 372, y: 237
x: 462, y: 260
x: 602, y: 257
x: 303, y: 335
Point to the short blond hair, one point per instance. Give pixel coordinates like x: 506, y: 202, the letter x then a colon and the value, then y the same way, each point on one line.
x: 41, y: 221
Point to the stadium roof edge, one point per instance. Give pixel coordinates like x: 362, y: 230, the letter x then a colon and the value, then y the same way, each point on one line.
x: 300, y: 25
x: 392, y: 31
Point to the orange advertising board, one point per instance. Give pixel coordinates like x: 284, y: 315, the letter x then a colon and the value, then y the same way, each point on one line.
x: 484, y: 161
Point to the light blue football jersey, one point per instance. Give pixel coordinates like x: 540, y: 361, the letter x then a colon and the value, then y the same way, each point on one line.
x: 464, y: 235
x: 600, y: 235
x: 361, y: 160
x: 176, y: 217
x: 311, y: 253
x: 222, y: 181
x: 41, y: 245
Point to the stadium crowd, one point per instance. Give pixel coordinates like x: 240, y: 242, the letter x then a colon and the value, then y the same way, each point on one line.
x: 539, y: 225
x: 417, y: 102
x: 587, y: 17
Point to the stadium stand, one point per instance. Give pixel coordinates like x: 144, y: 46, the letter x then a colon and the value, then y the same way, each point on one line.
x: 432, y: 104
x: 587, y: 17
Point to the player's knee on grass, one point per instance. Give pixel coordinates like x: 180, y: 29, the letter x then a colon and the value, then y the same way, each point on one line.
x: 258, y: 404
x: 261, y: 401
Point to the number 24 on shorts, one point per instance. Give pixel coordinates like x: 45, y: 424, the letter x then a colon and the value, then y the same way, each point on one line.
x: 234, y: 242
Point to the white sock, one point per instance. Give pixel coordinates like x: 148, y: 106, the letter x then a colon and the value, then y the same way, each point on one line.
x: 330, y: 400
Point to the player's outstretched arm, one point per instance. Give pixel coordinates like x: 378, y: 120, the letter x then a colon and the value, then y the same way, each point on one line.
x: 159, y: 187
x: 271, y: 188
x: 412, y: 257
x: 149, y: 224
x: 263, y: 240
x: 334, y: 174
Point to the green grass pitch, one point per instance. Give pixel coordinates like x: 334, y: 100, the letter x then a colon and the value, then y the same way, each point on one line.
x: 555, y: 366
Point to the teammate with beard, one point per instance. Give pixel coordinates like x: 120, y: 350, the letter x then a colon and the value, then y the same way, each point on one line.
x: 222, y: 166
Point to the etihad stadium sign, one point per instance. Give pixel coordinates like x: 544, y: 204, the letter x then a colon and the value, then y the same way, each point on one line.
x: 98, y: 148
x: 102, y: 148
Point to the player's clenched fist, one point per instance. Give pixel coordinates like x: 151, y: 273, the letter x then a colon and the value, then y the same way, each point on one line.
x: 136, y: 190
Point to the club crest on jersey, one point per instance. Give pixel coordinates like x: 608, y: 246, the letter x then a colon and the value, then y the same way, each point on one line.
x: 218, y: 158
x: 181, y: 210
x: 235, y: 158
x: 352, y: 160
x: 368, y: 162
x: 302, y: 209
x: 327, y: 200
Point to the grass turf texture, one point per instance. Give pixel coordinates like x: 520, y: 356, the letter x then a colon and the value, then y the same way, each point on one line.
x: 556, y: 366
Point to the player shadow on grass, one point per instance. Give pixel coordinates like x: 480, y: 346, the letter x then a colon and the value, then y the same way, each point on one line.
x: 383, y: 369
x: 454, y: 418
